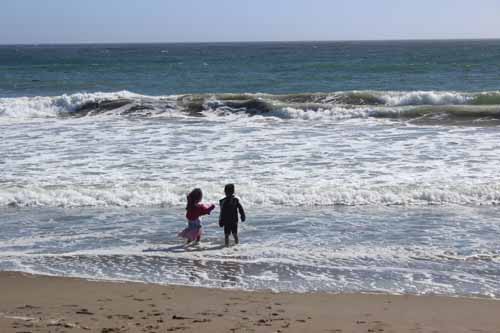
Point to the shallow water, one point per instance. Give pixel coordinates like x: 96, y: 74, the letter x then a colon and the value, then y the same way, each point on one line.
x: 424, y: 250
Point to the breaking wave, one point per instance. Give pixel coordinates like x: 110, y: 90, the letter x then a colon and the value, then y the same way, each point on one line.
x: 434, y: 106
x: 167, y: 195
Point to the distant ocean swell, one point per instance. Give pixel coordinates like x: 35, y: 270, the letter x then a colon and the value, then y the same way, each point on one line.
x: 438, y: 107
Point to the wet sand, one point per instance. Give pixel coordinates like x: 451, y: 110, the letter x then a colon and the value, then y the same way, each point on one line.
x: 30, y: 303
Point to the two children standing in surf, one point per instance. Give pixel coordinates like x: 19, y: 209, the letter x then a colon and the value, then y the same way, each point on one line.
x: 230, y: 206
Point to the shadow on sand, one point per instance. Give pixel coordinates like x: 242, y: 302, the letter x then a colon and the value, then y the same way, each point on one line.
x: 186, y: 248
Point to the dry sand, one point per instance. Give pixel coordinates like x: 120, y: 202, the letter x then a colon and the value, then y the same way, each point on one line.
x: 31, y: 303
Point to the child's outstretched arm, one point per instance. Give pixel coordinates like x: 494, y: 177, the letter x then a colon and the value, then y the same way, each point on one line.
x: 242, y: 212
x: 206, y: 209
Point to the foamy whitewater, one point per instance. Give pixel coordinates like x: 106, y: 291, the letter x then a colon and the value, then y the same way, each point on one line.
x: 368, y: 190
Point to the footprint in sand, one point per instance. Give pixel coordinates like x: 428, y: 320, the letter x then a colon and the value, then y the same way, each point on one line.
x: 84, y: 312
x: 142, y: 299
x: 124, y: 316
x: 204, y: 320
x: 27, y: 307
x: 263, y: 322
x: 175, y: 317
x: 176, y: 328
x: 111, y: 330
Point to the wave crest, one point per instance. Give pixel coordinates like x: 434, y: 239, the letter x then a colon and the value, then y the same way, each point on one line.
x: 150, y: 195
x: 309, y: 106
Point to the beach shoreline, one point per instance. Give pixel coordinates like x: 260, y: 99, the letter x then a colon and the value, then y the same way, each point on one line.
x: 35, y: 303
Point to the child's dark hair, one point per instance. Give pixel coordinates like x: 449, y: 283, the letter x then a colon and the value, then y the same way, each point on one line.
x: 229, y: 189
x: 193, y: 198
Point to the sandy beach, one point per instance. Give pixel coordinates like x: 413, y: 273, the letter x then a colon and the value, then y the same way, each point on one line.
x: 32, y: 303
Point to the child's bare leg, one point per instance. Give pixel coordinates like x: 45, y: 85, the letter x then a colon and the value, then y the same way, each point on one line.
x: 227, y: 240
x: 236, y: 239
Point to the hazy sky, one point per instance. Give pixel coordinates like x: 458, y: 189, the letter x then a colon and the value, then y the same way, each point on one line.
x: 72, y: 21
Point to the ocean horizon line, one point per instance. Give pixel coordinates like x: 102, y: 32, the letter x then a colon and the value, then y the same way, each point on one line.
x: 255, y: 41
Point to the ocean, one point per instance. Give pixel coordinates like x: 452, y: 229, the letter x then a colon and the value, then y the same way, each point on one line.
x: 362, y: 166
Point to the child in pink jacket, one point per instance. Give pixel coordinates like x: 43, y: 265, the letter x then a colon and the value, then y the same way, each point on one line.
x: 195, y: 209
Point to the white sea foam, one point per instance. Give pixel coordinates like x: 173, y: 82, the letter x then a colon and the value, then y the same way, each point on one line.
x: 23, y: 108
x: 334, y: 112
x: 275, y: 161
x: 147, y: 195
x: 398, y: 98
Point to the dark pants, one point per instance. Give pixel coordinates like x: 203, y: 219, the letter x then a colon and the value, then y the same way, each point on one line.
x: 231, y: 228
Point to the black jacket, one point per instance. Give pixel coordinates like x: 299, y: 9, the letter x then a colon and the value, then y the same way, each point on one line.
x: 229, y: 208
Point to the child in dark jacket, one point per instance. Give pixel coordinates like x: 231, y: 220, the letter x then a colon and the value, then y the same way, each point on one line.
x: 229, y: 208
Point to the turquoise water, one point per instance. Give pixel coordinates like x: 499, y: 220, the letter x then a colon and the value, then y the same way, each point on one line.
x: 164, y: 69
x: 362, y: 166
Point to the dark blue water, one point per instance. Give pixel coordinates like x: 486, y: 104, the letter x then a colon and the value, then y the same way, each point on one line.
x: 159, y: 69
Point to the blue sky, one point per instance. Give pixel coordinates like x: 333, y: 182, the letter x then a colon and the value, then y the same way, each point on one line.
x: 71, y: 21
